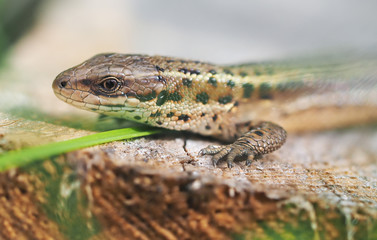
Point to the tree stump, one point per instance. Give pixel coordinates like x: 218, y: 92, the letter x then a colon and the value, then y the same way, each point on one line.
x: 318, y: 186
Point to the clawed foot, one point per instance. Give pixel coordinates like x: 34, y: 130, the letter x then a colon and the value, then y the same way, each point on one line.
x: 261, y: 139
x: 230, y: 151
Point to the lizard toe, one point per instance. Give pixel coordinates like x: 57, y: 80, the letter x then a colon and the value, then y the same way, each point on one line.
x: 222, y: 153
x: 210, y: 150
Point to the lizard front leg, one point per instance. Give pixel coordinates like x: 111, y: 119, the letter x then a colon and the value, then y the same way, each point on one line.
x: 259, y: 139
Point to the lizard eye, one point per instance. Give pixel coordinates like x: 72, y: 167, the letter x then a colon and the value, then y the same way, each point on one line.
x: 110, y: 84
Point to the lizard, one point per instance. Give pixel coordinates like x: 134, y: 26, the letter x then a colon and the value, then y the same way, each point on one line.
x: 235, y: 103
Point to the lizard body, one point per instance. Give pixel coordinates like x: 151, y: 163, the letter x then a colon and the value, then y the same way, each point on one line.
x: 226, y: 102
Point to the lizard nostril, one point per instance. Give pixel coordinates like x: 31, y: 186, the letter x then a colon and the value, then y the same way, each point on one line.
x: 62, y: 81
x: 62, y: 84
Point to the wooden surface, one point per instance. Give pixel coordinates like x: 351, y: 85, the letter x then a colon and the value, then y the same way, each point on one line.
x: 318, y: 186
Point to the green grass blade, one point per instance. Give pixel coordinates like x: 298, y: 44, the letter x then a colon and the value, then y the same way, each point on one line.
x: 22, y: 157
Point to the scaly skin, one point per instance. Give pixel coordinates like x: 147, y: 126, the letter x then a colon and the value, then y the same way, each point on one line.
x: 229, y: 103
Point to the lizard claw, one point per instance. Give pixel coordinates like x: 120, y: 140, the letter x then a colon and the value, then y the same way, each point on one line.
x: 250, y: 158
x: 230, y: 151
x: 209, y: 150
x: 218, y: 152
x: 230, y: 164
x: 248, y: 162
x: 261, y: 139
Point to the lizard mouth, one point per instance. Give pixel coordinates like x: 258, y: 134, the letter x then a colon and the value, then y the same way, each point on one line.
x: 76, y: 103
x: 108, y: 109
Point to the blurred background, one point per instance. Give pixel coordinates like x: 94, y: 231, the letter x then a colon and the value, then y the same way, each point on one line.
x: 39, y: 39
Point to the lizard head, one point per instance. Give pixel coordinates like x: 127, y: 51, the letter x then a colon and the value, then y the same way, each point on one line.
x: 113, y: 84
x: 159, y: 91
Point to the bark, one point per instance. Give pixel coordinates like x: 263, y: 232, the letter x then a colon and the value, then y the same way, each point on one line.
x: 318, y: 186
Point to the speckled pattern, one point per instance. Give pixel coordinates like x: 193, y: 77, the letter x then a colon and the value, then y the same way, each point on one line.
x: 194, y: 96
